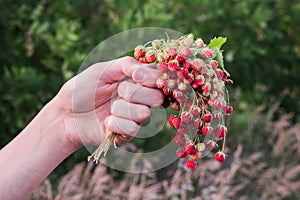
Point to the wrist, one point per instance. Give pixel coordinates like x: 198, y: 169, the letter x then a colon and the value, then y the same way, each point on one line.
x: 66, y: 128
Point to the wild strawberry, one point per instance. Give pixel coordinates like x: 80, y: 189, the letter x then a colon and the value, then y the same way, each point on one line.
x: 172, y: 51
x: 143, y: 60
x: 207, y: 53
x: 171, y: 83
x: 179, y: 139
x: 150, y: 56
x: 191, y: 164
x: 195, y: 110
x: 182, y: 73
x: 173, y: 65
x: 166, y: 57
x: 206, y: 130
x: 228, y: 110
x: 190, y: 149
x: 176, y: 106
x: 181, y: 153
x: 219, y: 73
x: 206, y: 86
x: 139, y: 51
x: 187, y: 64
x: 198, y: 124
x: 195, y: 73
x: 199, y: 43
x: 180, y: 58
x: 170, y: 120
x: 220, y: 131
x: 167, y: 91
x: 182, y: 129
x: 199, y: 80
x: 186, y: 117
x: 220, y: 156
x: 195, y: 156
x: 178, y: 95
x: 211, y: 145
x: 176, y: 122
x: 162, y: 67
x: 161, y: 83
x: 214, y: 64
x: 197, y: 64
x: 207, y: 118
x: 185, y: 51
x: 216, y: 115
x: 188, y: 41
x: 182, y: 86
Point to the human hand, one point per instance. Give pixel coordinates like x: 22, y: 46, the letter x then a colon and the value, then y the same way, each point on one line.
x: 109, y: 96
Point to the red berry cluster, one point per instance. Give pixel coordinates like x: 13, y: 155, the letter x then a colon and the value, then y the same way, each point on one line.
x: 193, y: 84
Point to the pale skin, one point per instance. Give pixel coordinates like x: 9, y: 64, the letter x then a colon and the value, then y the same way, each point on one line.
x: 68, y: 121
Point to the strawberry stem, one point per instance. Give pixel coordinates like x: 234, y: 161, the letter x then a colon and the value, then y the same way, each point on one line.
x: 103, y: 147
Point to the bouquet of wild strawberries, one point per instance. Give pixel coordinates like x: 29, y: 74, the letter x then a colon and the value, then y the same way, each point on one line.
x: 193, y: 83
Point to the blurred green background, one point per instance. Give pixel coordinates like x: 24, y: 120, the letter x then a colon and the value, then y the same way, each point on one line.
x: 43, y: 43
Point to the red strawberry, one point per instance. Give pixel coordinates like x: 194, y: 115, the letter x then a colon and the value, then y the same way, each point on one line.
x: 181, y: 153
x: 182, y: 73
x: 173, y: 65
x: 179, y: 139
x: 190, y: 149
x: 172, y: 51
x: 161, y: 82
x: 178, y: 95
x: 150, y: 56
x: 195, y: 156
x: 167, y: 91
x: 180, y: 58
x: 211, y: 145
x: 187, y: 64
x: 139, y: 51
x: 199, y: 80
x: 228, y: 109
x: 220, y: 156
x: 206, y: 130
x: 199, y: 43
x: 207, y: 53
x: 214, y: 64
x: 197, y: 64
x: 170, y: 120
x: 186, y: 117
x: 185, y: 51
x: 176, y: 122
x: 162, y: 67
x: 191, y: 164
x: 207, y: 118
x: 221, y: 131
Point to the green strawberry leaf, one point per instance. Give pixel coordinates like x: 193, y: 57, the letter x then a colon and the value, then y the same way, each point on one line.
x: 217, y: 42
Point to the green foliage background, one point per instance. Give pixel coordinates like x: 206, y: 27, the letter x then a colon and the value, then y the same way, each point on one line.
x: 43, y: 42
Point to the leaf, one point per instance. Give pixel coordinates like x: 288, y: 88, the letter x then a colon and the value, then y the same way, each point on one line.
x: 217, y: 42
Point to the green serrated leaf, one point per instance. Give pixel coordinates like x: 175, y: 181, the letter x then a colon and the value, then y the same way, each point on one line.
x: 217, y: 42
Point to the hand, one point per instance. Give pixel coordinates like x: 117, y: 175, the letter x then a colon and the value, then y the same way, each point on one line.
x: 110, y: 96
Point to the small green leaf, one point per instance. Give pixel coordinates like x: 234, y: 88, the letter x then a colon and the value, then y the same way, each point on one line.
x: 217, y: 42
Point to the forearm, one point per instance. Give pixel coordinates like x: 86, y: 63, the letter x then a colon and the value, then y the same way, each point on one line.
x: 28, y: 159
